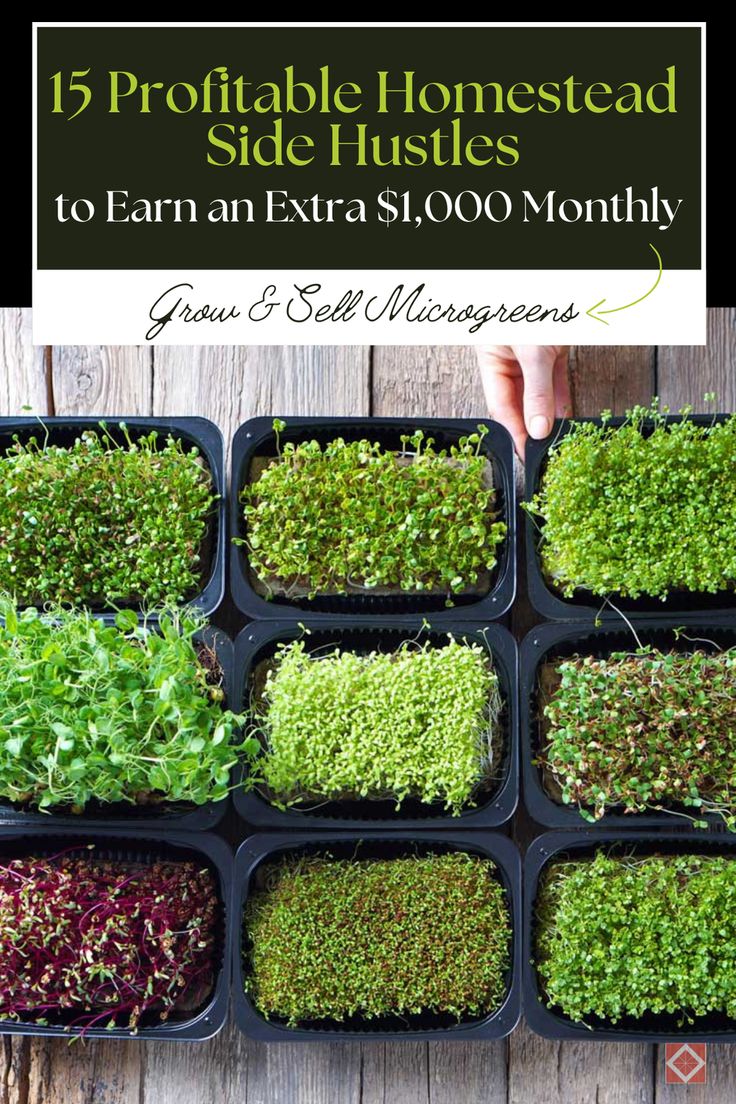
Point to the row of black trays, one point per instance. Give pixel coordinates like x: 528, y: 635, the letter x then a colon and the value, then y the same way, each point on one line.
x: 518, y: 671
x: 236, y: 879
x: 257, y: 439
x: 494, y: 804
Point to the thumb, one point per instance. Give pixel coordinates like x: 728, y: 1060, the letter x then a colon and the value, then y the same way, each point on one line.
x: 537, y: 365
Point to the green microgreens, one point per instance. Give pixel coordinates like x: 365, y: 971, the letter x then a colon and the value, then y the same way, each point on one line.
x: 100, y: 522
x: 419, y: 722
x: 640, y: 510
x: 644, y: 731
x: 352, y: 514
x: 626, y: 936
x: 107, y: 713
x: 333, y: 938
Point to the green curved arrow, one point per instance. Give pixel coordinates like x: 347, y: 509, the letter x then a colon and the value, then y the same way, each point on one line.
x: 612, y: 310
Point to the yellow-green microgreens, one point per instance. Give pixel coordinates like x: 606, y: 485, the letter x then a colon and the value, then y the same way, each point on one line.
x: 420, y: 722
x: 356, y: 514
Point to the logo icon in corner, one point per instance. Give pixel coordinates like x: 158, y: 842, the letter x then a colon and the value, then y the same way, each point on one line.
x: 685, y: 1063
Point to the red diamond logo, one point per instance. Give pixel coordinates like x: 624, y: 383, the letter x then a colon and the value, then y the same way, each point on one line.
x: 685, y: 1064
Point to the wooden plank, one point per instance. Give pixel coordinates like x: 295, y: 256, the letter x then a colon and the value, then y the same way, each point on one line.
x: 687, y: 372
x: 292, y: 1073
x: 229, y: 384
x: 392, y: 1073
x: 472, y: 1072
x: 23, y: 368
x: 101, y: 379
x: 14, y: 1071
x: 432, y: 380
x: 548, y: 1072
x: 60, y: 1072
x: 613, y: 377
x: 215, y: 1072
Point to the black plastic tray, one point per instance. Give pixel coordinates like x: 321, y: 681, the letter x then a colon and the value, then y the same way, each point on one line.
x: 651, y: 1028
x: 257, y: 438
x: 586, y: 638
x: 195, y: 431
x: 550, y: 603
x: 183, y: 815
x: 133, y: 844
x: 271, y: 846
x: 258, y: 641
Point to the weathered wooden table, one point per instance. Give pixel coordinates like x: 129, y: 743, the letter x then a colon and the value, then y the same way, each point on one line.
x: 229, y: 385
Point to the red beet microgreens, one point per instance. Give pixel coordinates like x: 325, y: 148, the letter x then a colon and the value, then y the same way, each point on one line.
x: 112, y: 941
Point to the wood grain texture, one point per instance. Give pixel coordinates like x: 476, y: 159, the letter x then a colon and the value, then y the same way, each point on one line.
x: 229, y: 384
x: 23, y: 369
x: 548, y: 1072
x: 101, y: 379
x: 394, y: 1072
x: 611, y: 377
x: 294, y: 1073
x: 687, y: 372
x: 475, y: 1073
x: 94, y: 1072
x: 215, y: 1072
x: 432, y: 380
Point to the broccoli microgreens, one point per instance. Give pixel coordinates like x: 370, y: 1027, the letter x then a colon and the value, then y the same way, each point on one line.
x: 101, y: 522
x: 629, y: 935
x: 640, y: 510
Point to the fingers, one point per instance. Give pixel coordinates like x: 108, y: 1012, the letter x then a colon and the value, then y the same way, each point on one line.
x: 561, y: 384
x: 526, y: 387
x: 538, y: 365
x: 503, y: 387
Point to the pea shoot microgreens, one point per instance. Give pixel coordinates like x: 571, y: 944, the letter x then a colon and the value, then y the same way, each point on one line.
x: 110, y: 713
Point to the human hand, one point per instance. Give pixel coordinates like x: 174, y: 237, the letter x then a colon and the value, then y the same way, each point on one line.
x: 526, y: 386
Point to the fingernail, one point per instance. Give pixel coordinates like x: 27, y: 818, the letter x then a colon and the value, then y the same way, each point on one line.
x: 539, y: 426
